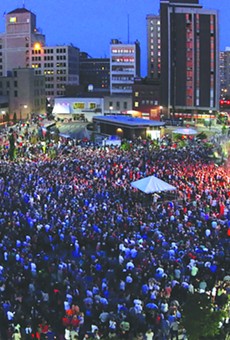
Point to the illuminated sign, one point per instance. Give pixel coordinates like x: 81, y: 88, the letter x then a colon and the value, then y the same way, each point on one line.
x: 13, y: 19
x: 92, y: 106
x: 78, y: 106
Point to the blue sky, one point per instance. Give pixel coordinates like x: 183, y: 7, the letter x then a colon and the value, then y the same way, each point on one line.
x: 91, y: 24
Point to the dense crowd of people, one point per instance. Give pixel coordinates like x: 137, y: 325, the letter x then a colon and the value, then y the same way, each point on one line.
x: 84, y: 255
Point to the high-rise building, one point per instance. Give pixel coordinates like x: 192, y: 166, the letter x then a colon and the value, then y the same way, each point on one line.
x: 23, y: 45
x: 153, y: 46
x: 95, y: 72
x: 124, y: 66
x: 19, y: 37
x: 225, y: 74
x: 59, y: 65
x: 189, y: 57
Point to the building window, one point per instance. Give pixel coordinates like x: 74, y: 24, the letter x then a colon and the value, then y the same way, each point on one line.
x: 136, y: 104
x: 125, y: 106
x: 136, y: 94
x: 15, y: 93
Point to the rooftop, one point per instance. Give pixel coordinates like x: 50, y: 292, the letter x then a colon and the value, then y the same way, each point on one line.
x: 20, y: 10
x: 127, y: 120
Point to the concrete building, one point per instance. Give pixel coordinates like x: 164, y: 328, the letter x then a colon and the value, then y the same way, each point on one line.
x: 24, y: 92
x: 225, y: 74
x: 117, y: 103
x: 146, y: 98
x: 153, y: 46
x: 23, y: 45
x: 59, y: 65
x: 94, y: 72
x: 81, y: 109
x: 128, y: 127
x: 124, y: 66
x: 19, y: 38
x: 189, y: 57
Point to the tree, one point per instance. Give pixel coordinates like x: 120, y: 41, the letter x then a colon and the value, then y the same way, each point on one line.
x: 200, y: 319
x: 12, y: 145
x: 15, y: 117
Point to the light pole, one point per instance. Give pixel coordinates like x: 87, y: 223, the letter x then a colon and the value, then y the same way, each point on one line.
x: 210, y: 122
x: 161, y: 116
x: 24, y: 106
x: 3, y: 114
x: 110, y: 109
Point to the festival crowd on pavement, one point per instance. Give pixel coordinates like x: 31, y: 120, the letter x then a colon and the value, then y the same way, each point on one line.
x: 84, y: 255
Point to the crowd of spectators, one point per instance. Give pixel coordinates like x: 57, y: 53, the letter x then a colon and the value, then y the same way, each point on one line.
x: 84, y: 255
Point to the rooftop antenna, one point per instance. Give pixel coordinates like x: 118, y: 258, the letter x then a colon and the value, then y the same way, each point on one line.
x: 23, y: 4
x: 128, y: 27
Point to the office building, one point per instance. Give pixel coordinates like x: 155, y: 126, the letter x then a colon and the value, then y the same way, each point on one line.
x: 146, y: 98
x: 19, y: 38
x: 124, y: 66
x: 59, y: 65
x: 23, y: 45
x: 189, y: 57
x: 225, y: 74
x: 24, y: 93
x: 94, y: 73
x: 153, y: 46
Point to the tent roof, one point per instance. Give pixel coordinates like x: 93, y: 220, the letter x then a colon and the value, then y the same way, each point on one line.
x: 152, y: 184
x: 185, y: 131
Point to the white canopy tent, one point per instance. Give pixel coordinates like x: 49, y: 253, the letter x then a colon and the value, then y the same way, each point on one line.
x: 152, y: 184
x: 185, y: 131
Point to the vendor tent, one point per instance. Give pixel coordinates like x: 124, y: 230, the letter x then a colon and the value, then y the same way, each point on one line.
x: 152, y: 184
x: 185, y: 131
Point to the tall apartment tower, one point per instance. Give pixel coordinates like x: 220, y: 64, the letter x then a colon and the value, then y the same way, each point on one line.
x: 153, y: 46
x: 124, y: 66
x: 189, y: 57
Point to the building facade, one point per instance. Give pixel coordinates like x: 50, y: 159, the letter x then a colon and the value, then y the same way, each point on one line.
x: 225, y: 74
x: 189, y: 57
x: 94, y: 72
x: 78, y: 108
x: 146, y: 98
x: 59, y: 65
x: 23, y: 45
x: 124, y: 66
x: 25, y: 93
x: 117, y: 103
x: 16, y: 43
x: 153, y: 46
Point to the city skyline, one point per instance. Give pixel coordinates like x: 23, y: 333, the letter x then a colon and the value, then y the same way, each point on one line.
x: 101, y: 21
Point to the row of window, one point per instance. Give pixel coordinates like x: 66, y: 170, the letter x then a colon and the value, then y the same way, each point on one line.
x: 39, y: 65
x: 118, y: 105
x: 49, y: 51
x: 47, y: 58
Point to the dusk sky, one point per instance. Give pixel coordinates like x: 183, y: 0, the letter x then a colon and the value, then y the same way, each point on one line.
x: 91, y: 24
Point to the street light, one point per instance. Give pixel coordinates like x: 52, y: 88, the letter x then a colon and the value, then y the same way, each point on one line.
x: 110, y: 109
x: 3, y: 114
x: 24, y: 106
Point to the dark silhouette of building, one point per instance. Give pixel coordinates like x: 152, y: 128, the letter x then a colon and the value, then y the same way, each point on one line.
x: 94, y: 72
